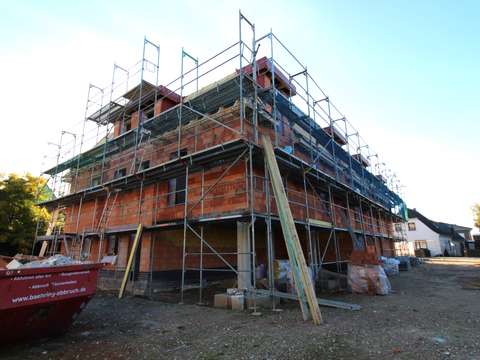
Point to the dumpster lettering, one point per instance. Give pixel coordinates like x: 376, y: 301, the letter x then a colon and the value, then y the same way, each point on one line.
x: 39, y: 286
x: 32, y: 277
x: 39, y: 302
x: 73, y: 273
x: 71, y: 282
x: 48, y: 295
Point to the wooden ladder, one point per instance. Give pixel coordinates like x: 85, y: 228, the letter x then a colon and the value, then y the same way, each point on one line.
x: 303, y: 282
x: 77, y: 246
x: 50, y: 229
x: 107, y: 210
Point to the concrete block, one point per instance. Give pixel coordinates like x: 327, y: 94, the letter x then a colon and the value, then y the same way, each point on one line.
x: 222, y: 301
x: 238, y: 302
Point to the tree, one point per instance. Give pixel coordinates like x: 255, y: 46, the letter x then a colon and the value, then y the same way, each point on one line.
x: 19, y: 213
x: 476, y: 214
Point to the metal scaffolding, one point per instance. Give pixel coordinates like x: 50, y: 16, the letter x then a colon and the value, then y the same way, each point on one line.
x: 337, y: 162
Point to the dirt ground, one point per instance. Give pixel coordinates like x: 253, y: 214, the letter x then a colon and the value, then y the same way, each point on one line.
x: 434, y: 313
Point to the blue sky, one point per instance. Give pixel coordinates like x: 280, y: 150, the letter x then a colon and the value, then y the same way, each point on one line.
x: 406, y: 74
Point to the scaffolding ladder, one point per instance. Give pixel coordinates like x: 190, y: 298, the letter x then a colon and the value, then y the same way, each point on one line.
x: 103, y: 221
x: 51, y: 229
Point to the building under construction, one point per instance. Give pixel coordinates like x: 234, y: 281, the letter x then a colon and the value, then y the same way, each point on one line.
x: 185, y: 160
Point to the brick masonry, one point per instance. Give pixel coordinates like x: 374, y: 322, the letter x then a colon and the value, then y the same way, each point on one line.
x: 161, y: 250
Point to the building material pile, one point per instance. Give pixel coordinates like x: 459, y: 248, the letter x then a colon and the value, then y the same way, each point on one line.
x: 366, y: 275
x: 233, y: 299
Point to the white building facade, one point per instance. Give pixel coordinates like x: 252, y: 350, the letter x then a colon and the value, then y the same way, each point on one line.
x: 439, y: 238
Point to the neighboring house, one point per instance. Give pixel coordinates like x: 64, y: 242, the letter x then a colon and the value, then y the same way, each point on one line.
x: 438, y: 237
x: 476, y: 241
x: 402, y: 245
x: 465, y: 232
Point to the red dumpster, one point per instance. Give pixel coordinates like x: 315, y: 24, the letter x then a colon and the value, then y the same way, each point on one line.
x: 40, y: 302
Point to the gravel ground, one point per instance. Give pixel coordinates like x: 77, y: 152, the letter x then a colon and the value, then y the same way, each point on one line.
x: 433, y: 314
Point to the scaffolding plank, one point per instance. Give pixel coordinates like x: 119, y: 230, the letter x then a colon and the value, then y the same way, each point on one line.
x: 303, y: 282
x: 320, y: 223
x: 322, y: 302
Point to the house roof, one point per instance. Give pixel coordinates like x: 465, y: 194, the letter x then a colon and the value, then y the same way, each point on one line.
x: 461, y: 228
x: 112, y: 111
x: 149, y: 88
x: 265, y: 65
x: 437, y: 226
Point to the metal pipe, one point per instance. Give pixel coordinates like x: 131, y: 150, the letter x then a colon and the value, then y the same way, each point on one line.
x: 185, y: 224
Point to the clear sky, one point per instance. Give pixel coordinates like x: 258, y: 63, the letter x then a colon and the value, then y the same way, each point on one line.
x: 406, y: 74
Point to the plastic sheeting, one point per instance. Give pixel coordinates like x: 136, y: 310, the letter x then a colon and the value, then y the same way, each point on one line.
x: 390, y: 265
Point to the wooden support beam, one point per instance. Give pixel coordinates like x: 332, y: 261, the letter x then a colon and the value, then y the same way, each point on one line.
x: 136, y: 241
x: 303, y: 282
x: 43, y: 249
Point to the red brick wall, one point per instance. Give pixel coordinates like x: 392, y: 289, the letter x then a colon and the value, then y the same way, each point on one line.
x: 228, y: 196
x: 198, y: 135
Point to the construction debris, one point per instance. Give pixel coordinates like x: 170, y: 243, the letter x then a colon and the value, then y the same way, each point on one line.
x: 55, y: 260
x: 14, y: 264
